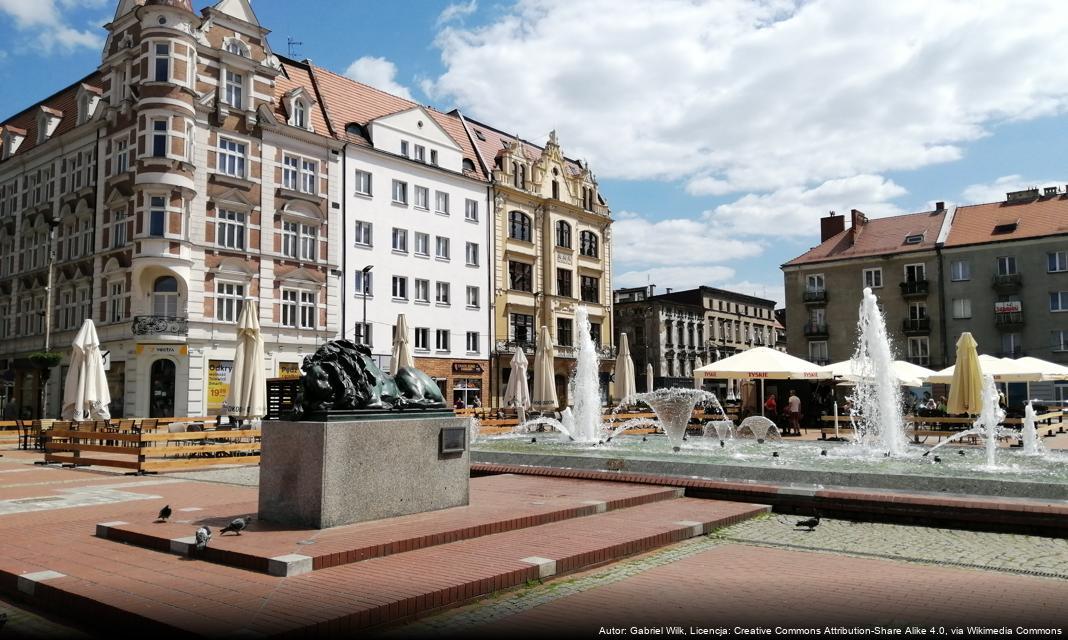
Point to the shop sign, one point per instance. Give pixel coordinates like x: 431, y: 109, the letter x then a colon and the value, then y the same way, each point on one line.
x: 162, y: 349
x: 288, y: 370
x: 467, y: 367
x: 219, y: 373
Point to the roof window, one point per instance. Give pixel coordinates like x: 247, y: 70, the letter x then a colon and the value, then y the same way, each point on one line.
x: 916, y: 238
x: 1005, y: 227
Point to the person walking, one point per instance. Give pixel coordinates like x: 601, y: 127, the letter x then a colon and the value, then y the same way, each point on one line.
x: 794, y: 408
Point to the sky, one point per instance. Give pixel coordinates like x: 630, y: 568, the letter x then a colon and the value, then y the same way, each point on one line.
x: 720, y: 131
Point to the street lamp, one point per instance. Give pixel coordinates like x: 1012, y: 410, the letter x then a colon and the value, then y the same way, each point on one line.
x: 363, y: 329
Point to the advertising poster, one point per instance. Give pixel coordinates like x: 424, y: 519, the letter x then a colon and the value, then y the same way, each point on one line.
x: 219, y: 372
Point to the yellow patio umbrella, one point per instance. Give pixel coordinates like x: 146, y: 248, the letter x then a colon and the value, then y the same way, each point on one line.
x: 966, y: 387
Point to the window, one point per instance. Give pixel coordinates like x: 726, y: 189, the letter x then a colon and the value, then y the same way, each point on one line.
x: 472, y: 254
x: 1059, y: 340
x: 309, y: 176
x: 308, y: 238
x: 1057, y: 261
x: 420, y: 153
x: 442, y: 247
x: 472, y: 297
x: 564, y: 327
x: 915, y: 272
x: 422, y: 339
x: 1058, y: 301
x: 587, y: 198
x: 441, y: 202
x: 519, y: 175
x: 400, y: 240
x: 122, y: 157
x: 563, y: 234
x: 300, y: 115
x: 1006, y: 265
x: 237, y: 48
x: 362, y: 333
x: 519, y: 226
x: 363, y: 283
x: 289, y: 307
x: 422, y: 198
x: 817, y: 352
x: 962, y: 308
x: 563, y: 282
x: 159, y: 143
x: 229, y: 298
x: 290, y: 233
x: 556, y: 190
x: 522, y: 327
x: 363, y: 182
x: 471, y: 210
x: 116, y: 304
x: 595, y: 333
x: 472, y: 342
x: 404, y: 148
x: 588, y: 244
x: 290, y: 172
x: 422, y: 244
x: 590, y: 289
x: 521, y: 276
x: 307, y: 309
x: 422, y: 290
x: 231, y: 160
x: 919, y: 350
x: 230, y: 229
x: 165, y: 297
x: 1011, y: 345
x: 85, y: 303
x: 960, y: 270
x: 157, y: 214
x: 364, y: 233
x: 400, y: 288
x: 162, y: 63
x: 443, y: 293
x: 118, y: 228
x: 234, y: 88
x: 873, y: 278
x: 400, y: 192
x: 914, y: 239
x: 917, y: 311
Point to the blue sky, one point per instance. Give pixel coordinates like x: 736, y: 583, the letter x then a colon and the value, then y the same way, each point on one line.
x: 720, y: 131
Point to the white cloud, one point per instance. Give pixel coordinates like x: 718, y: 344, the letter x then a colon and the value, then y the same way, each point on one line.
x: 379, y: 73
x: 637, y: 240
x: 996, y: 190
x: 794, y: 210
x: 745, y: 96
x: 456, y: 11
x: 45, y: 21
x: 674, y: 277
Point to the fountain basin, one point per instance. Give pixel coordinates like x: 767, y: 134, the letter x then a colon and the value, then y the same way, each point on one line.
x: 1019, y: 476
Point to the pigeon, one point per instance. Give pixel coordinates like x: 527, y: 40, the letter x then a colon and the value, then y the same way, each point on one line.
x: 203, y: 535
x: 237, y: 525
x: 810, y: 523
x: 937, y: 459
x: 164, y: 513
x: 960, y: 452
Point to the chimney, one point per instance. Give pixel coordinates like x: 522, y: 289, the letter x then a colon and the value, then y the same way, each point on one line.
x: 857, y: 222
x: 652, y: 290
x: 831, y: 226
x: 940, y: 206
x: 668, y: 289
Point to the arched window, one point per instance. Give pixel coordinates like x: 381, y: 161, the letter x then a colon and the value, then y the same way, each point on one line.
x: 519, y: 227
x: 588, y: 244
x: 556, y: 190
x: 237, y: 48
x: 468, y: 165
x: 165, y: 297
x: 563, y: 234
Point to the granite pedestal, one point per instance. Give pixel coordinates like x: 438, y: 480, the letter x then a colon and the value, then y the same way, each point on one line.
x: 326, y: 474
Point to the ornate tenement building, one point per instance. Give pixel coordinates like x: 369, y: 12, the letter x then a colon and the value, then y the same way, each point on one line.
x: 192, y: 171
x: 552, y: 253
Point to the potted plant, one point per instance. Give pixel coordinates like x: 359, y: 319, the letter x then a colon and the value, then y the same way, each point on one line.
x: 46, y: 359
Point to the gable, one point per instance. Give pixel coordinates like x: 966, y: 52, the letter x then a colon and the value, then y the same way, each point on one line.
x: 239, y: 9
x: 417, y: 123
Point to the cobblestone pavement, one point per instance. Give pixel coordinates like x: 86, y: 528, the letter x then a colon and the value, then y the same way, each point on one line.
x: 248, y: 476
x: 1046, y: 557
x: 24, y: 623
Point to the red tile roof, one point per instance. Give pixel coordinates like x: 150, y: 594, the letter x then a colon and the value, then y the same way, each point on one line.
x: 348, y: 101
x: 1041, y: 217
x: 62, y: 102
x: 879, y: 236
x: 297, y: 75
x: 495, y: 141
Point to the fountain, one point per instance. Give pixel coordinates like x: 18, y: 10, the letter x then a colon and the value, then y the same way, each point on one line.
x: 987, y: 426
x: 760, y: 427
x: 1032, y: 446
x: 674, y: 408
x: 876, y: 396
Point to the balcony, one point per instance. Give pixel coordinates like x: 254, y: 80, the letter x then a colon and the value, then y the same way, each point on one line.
x: 815, y: 329
x: 160, y: 326
x: 511, y: 346
x: 816, y: 296
x: 1007, y: 283
x: 1016, y: 352
x: 915, y: 288
x: 1009, y: 320
x: 916, y: 326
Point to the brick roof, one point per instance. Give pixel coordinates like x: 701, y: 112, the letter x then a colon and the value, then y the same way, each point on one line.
x: 64, y: 101
x: 348, y: 101
x: 1041, y: 217
x: 297, y: 75
x: 879, y: 236
x: 495, y: 141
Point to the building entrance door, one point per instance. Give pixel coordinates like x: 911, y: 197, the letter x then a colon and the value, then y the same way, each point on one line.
x: 161, y: 389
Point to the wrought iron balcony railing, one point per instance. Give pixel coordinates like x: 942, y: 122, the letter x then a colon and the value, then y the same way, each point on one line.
x: 815, y: 329
x: 917, y: 325
x: 815, y: 296
x: 915, y: 288
x: 1012, y: 319
x: 160, y: 326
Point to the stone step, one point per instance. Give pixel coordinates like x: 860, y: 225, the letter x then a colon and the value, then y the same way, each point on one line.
x: 188, y: 596
x: 510, y: 503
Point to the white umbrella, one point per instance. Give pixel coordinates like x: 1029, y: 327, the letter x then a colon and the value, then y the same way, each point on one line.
x: 544, y: 383
x: 649, y: 377
x: 402, y: 350
x: 1050, y: 370
x: 86, y: 386
x: 247, y: 397
x: 907, y: 374
x: 762, y: 363
x: 1001, y: 369
x: 517, y: 394
x: 624, y: 375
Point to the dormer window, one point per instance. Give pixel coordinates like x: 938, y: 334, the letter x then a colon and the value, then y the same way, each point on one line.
x: 300, y: 116
x: 234, y: 89
x: 86, y: 105
x: 47, y: 122
x: 519, y: 175
x: 914, y: 239
x: 237, y: 48
x: 299, y: 105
